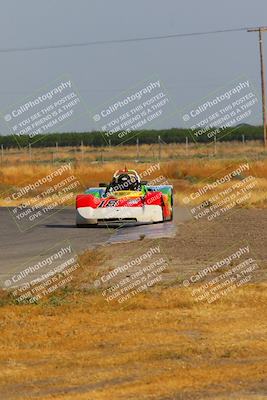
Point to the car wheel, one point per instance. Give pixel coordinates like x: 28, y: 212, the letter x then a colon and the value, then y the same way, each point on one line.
x: 171, y: 206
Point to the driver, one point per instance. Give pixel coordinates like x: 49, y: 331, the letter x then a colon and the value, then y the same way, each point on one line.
x: 124, y: 182
x: 128, y: 182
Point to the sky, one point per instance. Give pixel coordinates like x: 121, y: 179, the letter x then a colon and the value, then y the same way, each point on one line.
x: 190, y: 67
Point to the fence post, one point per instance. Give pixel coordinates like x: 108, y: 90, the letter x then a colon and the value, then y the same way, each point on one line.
x: 2, y: 153
x: 30, y: 152
x: 159, y: 143
x: 82, y: 148
x: 137, y: 150
x: 186, y: 145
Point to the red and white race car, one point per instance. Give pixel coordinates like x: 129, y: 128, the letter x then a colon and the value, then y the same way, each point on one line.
x: 125, y: 199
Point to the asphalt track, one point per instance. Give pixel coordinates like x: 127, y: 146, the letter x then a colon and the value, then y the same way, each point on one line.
x: 18, y: 247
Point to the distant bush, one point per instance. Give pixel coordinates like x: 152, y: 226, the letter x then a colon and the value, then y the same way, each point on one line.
x: 174, y: 135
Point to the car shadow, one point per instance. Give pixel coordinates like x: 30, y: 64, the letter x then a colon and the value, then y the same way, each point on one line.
x: 104, y: 225
x: 66, y: 226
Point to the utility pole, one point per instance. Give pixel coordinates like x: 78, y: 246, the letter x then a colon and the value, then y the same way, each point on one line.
x: 262, y: 29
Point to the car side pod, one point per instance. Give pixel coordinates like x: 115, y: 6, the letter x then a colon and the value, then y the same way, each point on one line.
x: 84, y: 200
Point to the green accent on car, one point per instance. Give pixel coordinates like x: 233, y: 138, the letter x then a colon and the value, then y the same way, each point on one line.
x: 96, y: 192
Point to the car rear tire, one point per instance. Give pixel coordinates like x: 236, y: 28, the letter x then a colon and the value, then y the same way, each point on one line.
x: 171, y: 206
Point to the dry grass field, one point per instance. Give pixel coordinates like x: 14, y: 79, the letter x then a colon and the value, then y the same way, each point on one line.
x: 161, y: 346
x: 187, y: 169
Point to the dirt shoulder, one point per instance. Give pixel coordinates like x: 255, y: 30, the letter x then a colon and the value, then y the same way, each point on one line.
x: 198, y: 244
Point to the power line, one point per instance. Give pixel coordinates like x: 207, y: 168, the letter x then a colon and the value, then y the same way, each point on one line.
x: 117, y: 41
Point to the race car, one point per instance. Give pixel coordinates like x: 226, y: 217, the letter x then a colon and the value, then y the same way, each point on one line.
x: 125, y: 199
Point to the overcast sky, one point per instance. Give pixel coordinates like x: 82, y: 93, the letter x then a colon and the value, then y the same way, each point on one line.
x: 190, y: 67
